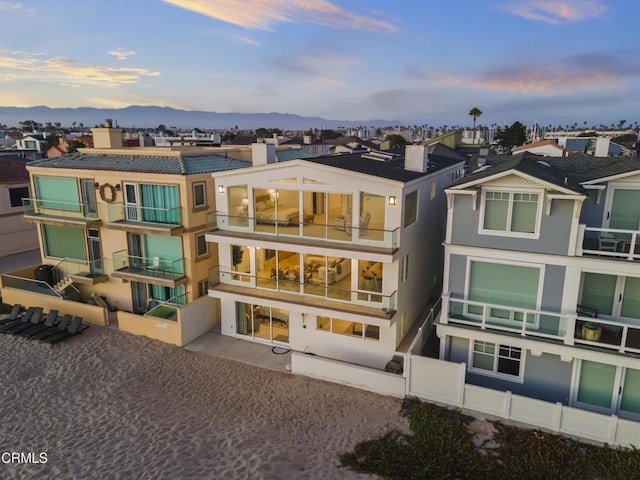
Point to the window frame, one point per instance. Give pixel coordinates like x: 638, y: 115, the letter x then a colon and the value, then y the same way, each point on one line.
x: 194, y: 186
x: 405, y: 202
x: 206, y: 246
x: 494, y: 372
x: 203, y: 288
x: 404, y: 269
x: 508, y: 232
x: 17, y: 187
x: 363, y: 326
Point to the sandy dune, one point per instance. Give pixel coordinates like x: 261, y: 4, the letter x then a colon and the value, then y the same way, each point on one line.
x: 111, y: 405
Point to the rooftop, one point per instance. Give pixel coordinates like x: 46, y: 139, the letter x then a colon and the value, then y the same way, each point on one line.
x: 170, y: 164
x: 13, y: 171
x: 393, y: 169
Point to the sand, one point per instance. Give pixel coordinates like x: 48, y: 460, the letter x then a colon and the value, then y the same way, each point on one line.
x: 111, y: 405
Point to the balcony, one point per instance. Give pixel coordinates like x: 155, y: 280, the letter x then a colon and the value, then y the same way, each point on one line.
x: 158, y: 271
x: 570, y: 329
x: 169, y: 309
x: 155, y: 221
x: 361, y: 302
x: 79, y: 271
x: 305, y: 233
x: 609, y: 243
x: 65, y: 214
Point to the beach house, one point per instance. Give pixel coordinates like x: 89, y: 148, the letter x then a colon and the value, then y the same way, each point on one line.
x: 16, y: 235
x: 541, y: 293
x: 333, y: 256
x: 122, y: 237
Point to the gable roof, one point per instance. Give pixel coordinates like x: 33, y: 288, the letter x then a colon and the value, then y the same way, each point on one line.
x: 171, y: 165
x: 541, y: 143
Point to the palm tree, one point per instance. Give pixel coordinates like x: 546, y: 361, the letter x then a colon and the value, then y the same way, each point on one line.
x: 475, y: 112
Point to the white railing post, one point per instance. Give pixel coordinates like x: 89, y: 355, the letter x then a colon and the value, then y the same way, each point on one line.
x: 570, y: 334
x: 580, y: 239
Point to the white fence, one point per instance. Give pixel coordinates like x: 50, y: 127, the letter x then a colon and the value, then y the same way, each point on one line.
x: 444, y: 382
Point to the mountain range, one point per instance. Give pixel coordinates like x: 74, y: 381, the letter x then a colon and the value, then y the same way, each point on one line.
x: 151, y: 117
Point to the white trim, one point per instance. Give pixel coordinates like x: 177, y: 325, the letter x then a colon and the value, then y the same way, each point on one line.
x: 496, y: 356
x: 610, y: 178
x: 204, y: 191
x: 511, y: 191
x: 543, y: 184
x: 608, y: 203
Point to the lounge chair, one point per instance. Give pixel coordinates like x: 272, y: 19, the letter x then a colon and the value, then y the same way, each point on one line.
x: 50, y: 321
x: 26, y: 317
x: 13, y: 315
x: 62, y: 326
x: 35, y: 319
x: 75, y: 327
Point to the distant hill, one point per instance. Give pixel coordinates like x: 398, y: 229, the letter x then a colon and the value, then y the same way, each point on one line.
x: 151, y: 117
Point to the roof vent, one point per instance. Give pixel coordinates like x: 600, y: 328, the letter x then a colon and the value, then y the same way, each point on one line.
x: 543, y: 163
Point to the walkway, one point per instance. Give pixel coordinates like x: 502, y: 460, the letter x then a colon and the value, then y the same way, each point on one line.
x: 252, y: 353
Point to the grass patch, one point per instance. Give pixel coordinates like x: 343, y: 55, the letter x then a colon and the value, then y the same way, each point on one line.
x: 441, y: 447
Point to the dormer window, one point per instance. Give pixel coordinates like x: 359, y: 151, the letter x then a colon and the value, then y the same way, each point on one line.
x: 512, y: 213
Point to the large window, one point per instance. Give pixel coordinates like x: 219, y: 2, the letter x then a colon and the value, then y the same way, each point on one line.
x: 57, y: 192
x: 202, y: 247
x: 496, y: 359
x: 160, y: 203
x: 510, y: 212
x: 16, y: 194
x: 505, y: 285
x: 262, y: 322
x: 63, y: 242
x: 350, y: 329
x: 609, y: 389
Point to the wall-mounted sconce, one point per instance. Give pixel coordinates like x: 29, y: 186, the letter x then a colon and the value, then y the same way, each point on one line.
x: 220, y: 188
x: 118, y: 187
x: 392, y: 200
x: 96, y: 185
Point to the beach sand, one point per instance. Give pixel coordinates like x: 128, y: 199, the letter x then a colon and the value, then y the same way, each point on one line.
x: 110, y: 405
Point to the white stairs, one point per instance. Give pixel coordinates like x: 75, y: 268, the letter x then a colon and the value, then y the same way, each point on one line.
x: 62, y: 285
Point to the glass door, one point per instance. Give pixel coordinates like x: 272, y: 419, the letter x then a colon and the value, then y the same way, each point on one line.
x: 88, y: 192
x: 625, y: 209
x: 131, y: 204
x: 95, y: 252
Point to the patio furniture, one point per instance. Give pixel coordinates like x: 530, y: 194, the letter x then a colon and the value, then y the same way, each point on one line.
x: 61, y: 327
x: 13, y: 315
x: 22, y: 325
x: 25, y: 318
x: 49, y: 321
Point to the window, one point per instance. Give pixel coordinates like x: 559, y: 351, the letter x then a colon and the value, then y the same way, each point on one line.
x: 57, y: 192
x: 510, y: 212
x: 30, y: 145
x: 63, y: 242
x: 404, y: 268
x: 16, y: 195
x: 199, y: 194
x: 410, y: 208
x: 496, y: 359
x: 203, y: 288
x: 351, y: 329
x: 202, y: 248
x: 434, y: 190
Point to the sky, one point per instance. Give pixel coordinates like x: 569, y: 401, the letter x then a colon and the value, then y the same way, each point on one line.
x: 412, y: 61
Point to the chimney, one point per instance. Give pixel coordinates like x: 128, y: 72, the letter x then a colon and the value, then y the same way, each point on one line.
x: 416, y: 158
x: 263, y: 153
x: 306, y: 139
x: 107, y: 136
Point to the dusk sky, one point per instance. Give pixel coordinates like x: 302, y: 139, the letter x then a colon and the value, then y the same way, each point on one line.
x: 421, y: 61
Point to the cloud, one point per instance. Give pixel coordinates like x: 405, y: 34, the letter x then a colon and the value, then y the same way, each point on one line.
x: 594, y: 72
x: 248, y: 41
x: 65, y: 70
x: 121, y: 53
x: 14, y: 7
x: 314, y: 67
x: 554, y: 12
x: 261, y: 14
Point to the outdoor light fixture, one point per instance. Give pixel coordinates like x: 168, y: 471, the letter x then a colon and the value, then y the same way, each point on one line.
x: 245, y: 204
x: 392, y: 200
x: 220, y: 188
x: 117, y: 187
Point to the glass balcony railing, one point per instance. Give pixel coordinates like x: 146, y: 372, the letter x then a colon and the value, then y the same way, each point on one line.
x: 78, y: 268
x: 151, y: 267
x: 499, y: 317
x: 54, y: 208
x: 610, y: 242
x: 28, y: 284
x: 123, y: 213
x: 339, y: 231
x: 385, y: 302
x: 168, y: 309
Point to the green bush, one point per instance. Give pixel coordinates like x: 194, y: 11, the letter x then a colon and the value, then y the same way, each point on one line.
x: 441, y: 447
